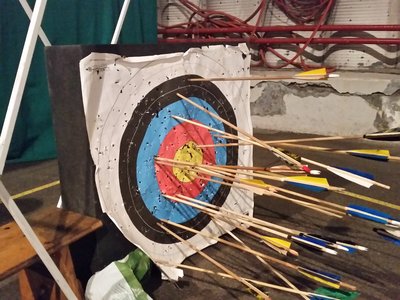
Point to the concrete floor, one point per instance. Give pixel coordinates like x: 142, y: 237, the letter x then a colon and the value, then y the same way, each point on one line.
x: 376, y: 273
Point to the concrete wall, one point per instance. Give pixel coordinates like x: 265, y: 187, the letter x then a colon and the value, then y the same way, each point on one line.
x: 353, y: 104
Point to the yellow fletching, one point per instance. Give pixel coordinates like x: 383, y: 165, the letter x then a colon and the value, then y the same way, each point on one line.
x: 321, y: 280
x: 371, y: 151
x: 258, y: 182
x: 316, y: 181
x: 259, y: 189
x: 312, y: 74
x: 277, y: 242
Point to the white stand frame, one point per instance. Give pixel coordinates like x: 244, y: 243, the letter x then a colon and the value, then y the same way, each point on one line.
x: 34, y: 31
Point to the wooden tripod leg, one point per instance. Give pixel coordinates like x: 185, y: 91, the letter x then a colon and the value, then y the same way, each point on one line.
x: 36, y: 283
x: 64, y: 262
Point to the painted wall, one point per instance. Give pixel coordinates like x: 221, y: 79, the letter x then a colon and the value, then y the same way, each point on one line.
x: 353, y: 104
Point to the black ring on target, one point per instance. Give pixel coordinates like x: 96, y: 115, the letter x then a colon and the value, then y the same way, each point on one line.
x: 159, y: 97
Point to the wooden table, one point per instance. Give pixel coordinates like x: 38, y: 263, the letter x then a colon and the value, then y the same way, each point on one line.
x: 56, y: 229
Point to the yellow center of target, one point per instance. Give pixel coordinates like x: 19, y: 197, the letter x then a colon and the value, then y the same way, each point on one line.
x: 187, y: 153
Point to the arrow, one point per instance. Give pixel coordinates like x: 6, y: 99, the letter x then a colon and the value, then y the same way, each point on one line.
x: 371, y: 215
x: 365, y: 182
x: 388, y: 236
x: 394, y: 232
x: 277, y: 241
x: 216, y: 263
x: 347, y: 246
x: 253, y: 187
x: 376, y: 154
x: 310, y: 183
x: 271, y: 268
x: 316, y: 184
x: 238, y: 216
x: 282, y: 231
x: 312, y: 139
x: 327, y: 279
x: 295, y: 235
x: 357, y: 172
x: 389, y: 134
x: 255, y: 140
x: 360, y: 211
x: 354, y: 210
x: 276, y: 169
x: 257, y: 282
x: 215, y: 238
x: 369, y: 199
x: 216, y: 214
x: 316, y: 74
x: 314, y: 242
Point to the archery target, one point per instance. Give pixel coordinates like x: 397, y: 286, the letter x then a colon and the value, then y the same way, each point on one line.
x: 129, y: 107
x: 143, y: 182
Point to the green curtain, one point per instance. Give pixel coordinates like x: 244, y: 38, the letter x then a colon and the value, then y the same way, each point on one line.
x: 65, y: 22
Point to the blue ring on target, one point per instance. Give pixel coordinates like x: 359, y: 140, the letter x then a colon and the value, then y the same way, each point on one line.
x: 147, y: 109
x: 157, y: 130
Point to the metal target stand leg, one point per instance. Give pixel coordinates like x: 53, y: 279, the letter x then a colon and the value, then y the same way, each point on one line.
x: 34, y: 31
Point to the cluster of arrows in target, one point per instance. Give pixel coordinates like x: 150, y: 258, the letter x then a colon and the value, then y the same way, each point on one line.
x: 276, y: 237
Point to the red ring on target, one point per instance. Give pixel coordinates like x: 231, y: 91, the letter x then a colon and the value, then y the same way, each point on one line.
x: 179, y: 136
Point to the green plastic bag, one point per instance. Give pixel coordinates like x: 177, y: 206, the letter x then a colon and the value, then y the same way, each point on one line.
x: 121, y: 279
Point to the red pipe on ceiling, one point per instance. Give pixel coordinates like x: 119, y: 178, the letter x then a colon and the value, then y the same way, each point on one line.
x: 375, y: 41
x: 250, y: 29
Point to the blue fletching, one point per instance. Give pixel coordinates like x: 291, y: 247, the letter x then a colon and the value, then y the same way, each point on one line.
x: 357, y: 172
x: 314, y: 297
x: 311, y: 240
x: 387, y: 236
x: 309, y: 187
x: 370, y: 156
x: 325, y: 275
x: 368, y: 213
x: 350, y: 250
x: 392, y: 240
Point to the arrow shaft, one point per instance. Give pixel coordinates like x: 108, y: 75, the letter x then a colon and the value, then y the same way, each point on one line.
x: 216, y: 263
x: 257, y: 282
x: 242, y: 78
x: 271, y: 268
x: 246, y: 134
x: 255, y: 188
x: 242, y: 216
x: 385, y: 220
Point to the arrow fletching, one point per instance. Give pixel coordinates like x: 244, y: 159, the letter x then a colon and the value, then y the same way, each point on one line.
x: 382, y: 155
x: 257, y: 186
x: 315, y: 74
x: 316, y: 184
x: 351, y: 177
x: 371, y: 215
x: 365, y: 182
x: 347, y: 246
x: 394, y: 232
x: 327, y: 279
x: 358, y: 172
x: 312, y: 242
x: 351, y: 245
x: 387, y: 236
x: 277, y: 242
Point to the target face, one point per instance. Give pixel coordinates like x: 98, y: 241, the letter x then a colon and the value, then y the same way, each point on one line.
x: 130, y: 104
x: 152, y: 131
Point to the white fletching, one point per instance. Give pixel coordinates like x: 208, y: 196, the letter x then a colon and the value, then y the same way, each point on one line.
x: 365, y: 182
